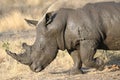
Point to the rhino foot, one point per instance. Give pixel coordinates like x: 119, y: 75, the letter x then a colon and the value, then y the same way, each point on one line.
x: 75, y: 71
x: 101, y: 68
x: 100, y: 63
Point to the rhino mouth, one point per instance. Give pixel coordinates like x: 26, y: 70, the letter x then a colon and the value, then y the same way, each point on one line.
x: 36, y: 69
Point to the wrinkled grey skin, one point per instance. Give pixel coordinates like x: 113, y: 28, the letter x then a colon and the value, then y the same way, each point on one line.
x: 81, y: 31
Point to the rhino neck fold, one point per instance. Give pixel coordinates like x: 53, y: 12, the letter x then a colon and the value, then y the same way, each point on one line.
x: 61, y: 41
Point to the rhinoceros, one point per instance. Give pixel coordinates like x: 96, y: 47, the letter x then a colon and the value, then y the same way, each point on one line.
x: 80, y: 31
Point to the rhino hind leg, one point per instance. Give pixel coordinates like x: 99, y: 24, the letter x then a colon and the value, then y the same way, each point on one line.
x: 76, y: 69
x: 88, y: 50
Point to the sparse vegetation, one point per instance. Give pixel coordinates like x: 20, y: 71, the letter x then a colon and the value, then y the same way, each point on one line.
x: 13, y: 21
x: 6, y: 45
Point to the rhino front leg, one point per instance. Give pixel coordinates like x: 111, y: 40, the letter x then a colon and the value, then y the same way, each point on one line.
x: 76, y: 69
x: 87, y: 51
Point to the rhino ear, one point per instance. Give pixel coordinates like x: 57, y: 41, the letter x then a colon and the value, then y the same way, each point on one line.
x: 49, y: 17
x: 33, y: 22
x: 24, y: 45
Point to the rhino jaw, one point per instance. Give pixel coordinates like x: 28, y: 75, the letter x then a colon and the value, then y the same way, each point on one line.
x: 35, y: 69
x: 22, y: 58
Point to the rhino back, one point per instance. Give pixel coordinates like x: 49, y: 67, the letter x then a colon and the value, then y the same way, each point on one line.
x: 110, y: 20
x: 100, y: 21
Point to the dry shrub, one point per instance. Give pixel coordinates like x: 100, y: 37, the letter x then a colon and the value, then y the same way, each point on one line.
x: 19, y: 2
x: 13, y: 21
x: 23, y: 2
x: 2, y: 56
x: 2, y: 53
x: 33, y: 2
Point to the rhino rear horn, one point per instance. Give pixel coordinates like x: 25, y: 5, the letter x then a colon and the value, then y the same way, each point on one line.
x: 22, y: 58
x: 24, y: 45
x: 33, y: 22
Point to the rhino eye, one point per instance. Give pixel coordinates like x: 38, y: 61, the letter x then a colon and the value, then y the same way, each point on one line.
x: 49, y: 17
x: 42, y: 48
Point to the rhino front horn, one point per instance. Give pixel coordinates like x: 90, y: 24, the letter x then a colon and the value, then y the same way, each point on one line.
x: 13, y: 55
x: 22, y: 58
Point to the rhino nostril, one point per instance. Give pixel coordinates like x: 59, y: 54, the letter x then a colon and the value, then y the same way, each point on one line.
x: 37, y: 69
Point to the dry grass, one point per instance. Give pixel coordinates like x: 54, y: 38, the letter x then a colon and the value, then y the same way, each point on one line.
x: 13, y: 21
x: 20, y: 2
x: 13, y: 12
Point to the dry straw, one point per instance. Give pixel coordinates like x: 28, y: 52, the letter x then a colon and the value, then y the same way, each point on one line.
x: 13, y: 21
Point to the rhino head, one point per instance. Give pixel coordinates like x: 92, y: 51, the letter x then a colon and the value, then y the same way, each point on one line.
x: 49, y: 38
